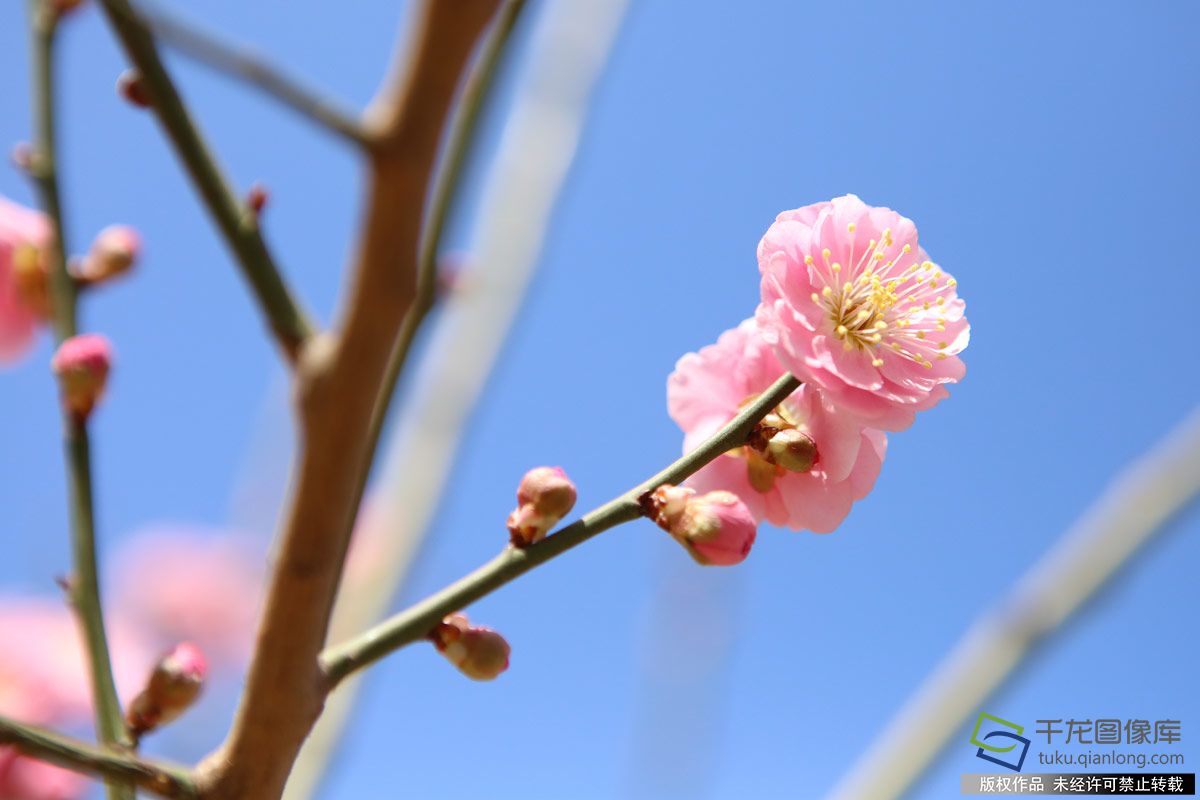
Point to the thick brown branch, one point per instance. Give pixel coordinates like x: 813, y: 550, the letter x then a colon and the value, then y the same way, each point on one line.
x: 338, y: 379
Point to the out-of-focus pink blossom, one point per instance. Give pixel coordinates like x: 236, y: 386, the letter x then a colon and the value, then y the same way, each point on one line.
x: 853, y: 306
x: 709, y: 388
x: 44, y: 681
x: 24, y: 778
x: 191, y: 584
x: 43, y: 674
x: 25, y: 234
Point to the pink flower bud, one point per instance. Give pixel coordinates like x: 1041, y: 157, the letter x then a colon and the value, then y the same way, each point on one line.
x: 716, y: 528
x: 172, y: 687
x: 545, y: 496
x: 793, y: 450
x: 113, y: 252
x: 257, y: 198
x: 24, y: 157
x: 479, y: 653
x: 81, y: 364
x: 133, y: 89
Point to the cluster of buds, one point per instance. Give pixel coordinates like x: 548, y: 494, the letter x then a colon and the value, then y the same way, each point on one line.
x: 544, y: 497
x: 716, y: 528
x: 82, y: 363
x: 775, y: 447
x: 479, y: 653
x: 172, y: 687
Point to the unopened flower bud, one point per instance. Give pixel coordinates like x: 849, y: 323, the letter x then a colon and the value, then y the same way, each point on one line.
x: 545, y: 496
x: 479, y: 653
x: 132, y: 88
x: 113, y: 252
x: 257, y: 198
x: 793, y: 450
x: 716, y: 528
x: 81, y: 364
x: 172, y: 687
x: 23, y: 157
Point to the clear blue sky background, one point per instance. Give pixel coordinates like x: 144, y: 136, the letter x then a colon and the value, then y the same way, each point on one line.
x: 1048, y: 153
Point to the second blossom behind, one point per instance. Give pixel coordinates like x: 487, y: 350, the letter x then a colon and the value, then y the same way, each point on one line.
x: 709, y: 388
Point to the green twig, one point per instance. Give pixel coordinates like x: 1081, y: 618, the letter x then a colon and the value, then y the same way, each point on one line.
x: 165, y: 781
x: 254, y: 70
x: 84, y: 584
x: 414, y: 623
x: 237, y: 224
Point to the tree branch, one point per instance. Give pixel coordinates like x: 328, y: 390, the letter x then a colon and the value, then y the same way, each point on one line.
x: 237, y: 224
x: 164, y: 781
x: 445, y: 189
x: 254, y: 70
x: 338, y: 380
x: 416, y: 622
x: 84, y: 583
x: 1139, y: 503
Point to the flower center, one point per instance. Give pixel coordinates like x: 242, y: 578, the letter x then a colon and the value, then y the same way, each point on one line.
x: 884, y: 299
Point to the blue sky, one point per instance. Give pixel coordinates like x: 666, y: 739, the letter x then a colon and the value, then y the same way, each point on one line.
x: 1047, y: 153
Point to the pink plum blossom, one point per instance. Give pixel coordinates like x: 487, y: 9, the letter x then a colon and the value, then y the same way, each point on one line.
x: 24, y: 236
x: 853, y: 306
x: 24, y: 778
x: 191, y: 584
x: 43, y: 675
x: 44, y: 681
x: 709, y: 388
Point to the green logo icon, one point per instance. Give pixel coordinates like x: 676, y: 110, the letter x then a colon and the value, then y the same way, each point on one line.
x: 999, y: 729
x: 991, y: 748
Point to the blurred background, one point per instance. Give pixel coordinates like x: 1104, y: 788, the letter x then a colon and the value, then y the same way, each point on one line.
x: 1046, y: 151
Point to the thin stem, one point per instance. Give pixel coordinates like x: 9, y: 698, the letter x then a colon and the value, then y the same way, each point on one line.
x: 85, y: 583
x: 162, y: 780
x: 414, y: 623
x: 241, y: 63
x: 447, y: 181
x: 44, y: 25
x: 237, y: 224
x: 459, y: 141
x: 449, y: 178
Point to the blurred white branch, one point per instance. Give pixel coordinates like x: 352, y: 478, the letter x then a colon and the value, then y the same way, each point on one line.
x: 568, y: 51
x: 1137, y: 504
